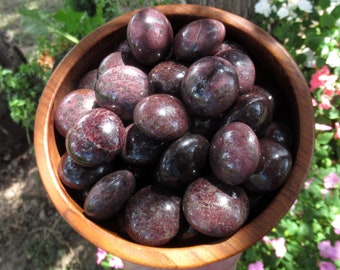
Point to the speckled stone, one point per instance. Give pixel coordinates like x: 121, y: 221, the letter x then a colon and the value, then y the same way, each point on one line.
x: 244, y: 66
x: 88, y: 80
x: 95, y: 138
x: 79, y: 177
x: 120, y: 88
x: 210, y: 86
x: 109, y: 195
x: 139, y: 149
x: 198, y: 39
x: 166, y: 78
x: 273, y: 170
x: 112, y: 60
x: 152, y: 216
x: 214, y: 208
x: 234, y: 153
x: 71, y: 107
x: 280, y: 132
x: 253, y: 109
x: 162, y: 117
x: 183, y: 161
x: 150, y: 36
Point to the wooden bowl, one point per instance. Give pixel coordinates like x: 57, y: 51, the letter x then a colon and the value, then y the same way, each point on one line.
x: 273, y: 63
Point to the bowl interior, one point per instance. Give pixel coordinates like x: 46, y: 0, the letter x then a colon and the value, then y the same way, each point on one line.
x: 275, y: 68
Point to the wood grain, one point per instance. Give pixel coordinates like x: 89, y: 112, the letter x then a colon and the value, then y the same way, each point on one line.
x: 275, y: 64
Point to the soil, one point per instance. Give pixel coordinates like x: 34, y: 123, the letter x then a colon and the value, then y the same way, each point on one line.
x: 32, y: 234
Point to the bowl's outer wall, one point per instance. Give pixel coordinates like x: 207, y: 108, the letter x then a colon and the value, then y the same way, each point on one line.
x: 274, y: 62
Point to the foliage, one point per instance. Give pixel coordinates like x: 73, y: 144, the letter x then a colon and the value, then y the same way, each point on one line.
x: 22, y: 89
x: 309, y: 234
x: 61, y: 27
x: 112, y: 9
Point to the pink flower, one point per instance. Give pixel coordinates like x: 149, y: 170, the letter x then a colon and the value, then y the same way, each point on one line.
x: 322, y: 127
x: 325, y: 102
x: 330, y: 85
x: 336, y: 224
x: 318, y: 79
x: 322, y: 78
x: 308, y: 183
x: 336, y: 255
x: 116, y: 262
x: 328, y: 251
x: 279, y: 245
x: 326, y: 266
x: 331, y: 180
x: 101, y: 255
x: 256, y: 266
x: 266, y: 239
x: 337, y: 130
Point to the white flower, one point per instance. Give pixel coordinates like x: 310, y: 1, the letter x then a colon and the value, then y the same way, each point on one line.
x: 293, y: 4
x: 305, y: 6
x: 333, y: 59
x: 283, y: 12
x: 291, y: 7
x: 310, y: 60
x: 263, y: 7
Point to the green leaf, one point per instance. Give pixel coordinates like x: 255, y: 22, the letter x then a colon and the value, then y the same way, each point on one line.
x: 324, y: 137
x: 327, y: 20
x: 337, y: 264
x: 333, y: 113
x: 336, y: 12
x: 291, y: 228
x: 70, y: 20
x: 324, y: 3
x: 281, y: 31
x: 316, y: 227
x: 313, y: 42
x: 320, y: 62
x: 301, y: 58
x: 337, y: 151
x: 5, y: 72
x: 326, y: 162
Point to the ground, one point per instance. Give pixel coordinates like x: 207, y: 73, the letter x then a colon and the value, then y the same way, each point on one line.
x: 32, y: 234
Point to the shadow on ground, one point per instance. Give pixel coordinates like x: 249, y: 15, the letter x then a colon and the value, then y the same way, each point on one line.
x: 32, y: 234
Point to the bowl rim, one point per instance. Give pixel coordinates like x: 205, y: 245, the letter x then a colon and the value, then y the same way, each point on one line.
x: 179, y: 257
